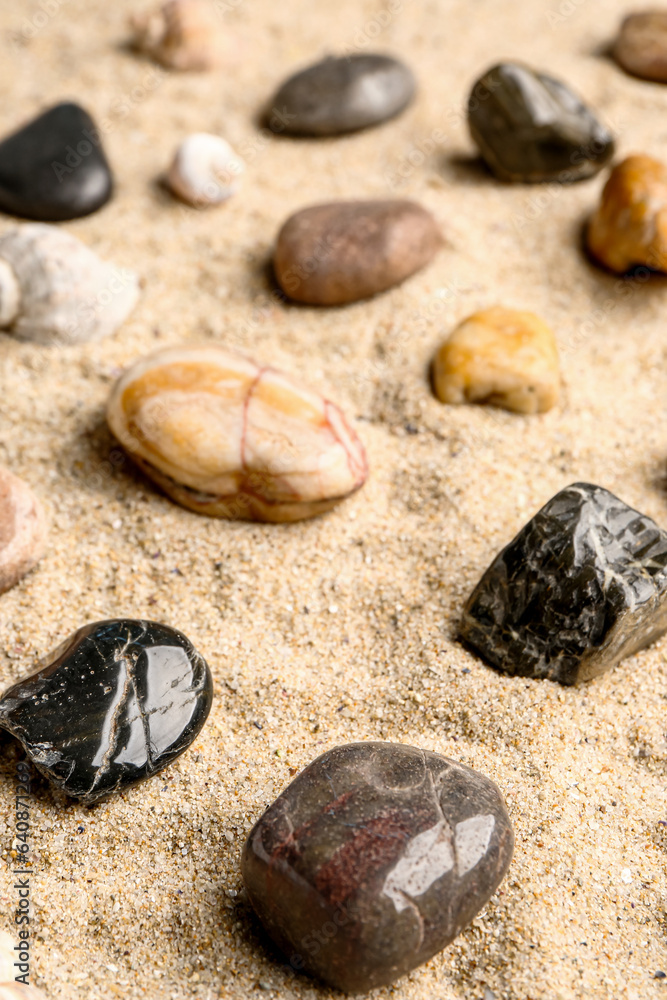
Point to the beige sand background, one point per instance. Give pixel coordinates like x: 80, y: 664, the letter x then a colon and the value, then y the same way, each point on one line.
x: 342, y: 628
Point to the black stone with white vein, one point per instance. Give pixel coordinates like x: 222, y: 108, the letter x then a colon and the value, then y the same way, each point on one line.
x: 373, y: 859
x: 117, y: 702
x: 531, y: 127
x: 583, y: 585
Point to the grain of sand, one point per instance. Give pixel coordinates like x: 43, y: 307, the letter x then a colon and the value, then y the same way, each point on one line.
x: 342, y: 628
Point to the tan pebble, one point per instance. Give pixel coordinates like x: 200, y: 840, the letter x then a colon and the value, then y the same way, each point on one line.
x: 502, y: 357
x: 22, y: 529
x: 641, y: 45
x: 226, y: 437
x: 181, y: 34
x: 630, y: 226
x: 19, y: 991
x: 344, y: 251
x: 54, y: 290
x: 205, y: 170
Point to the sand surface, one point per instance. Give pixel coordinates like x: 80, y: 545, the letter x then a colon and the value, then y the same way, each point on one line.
x: 342, y: 628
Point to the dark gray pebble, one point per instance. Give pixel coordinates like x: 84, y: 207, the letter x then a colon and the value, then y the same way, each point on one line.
x: 341, y: 95
x: 531, y: 127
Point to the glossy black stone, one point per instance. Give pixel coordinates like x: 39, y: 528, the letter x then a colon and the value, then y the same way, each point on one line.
x: 531, y: 127
x: 583, y: 585
x: 374, y: 859
x: 342, y: 95
x: 54, y: 168
x: 117, y: 702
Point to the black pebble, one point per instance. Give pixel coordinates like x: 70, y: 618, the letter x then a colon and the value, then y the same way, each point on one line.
x: 54, y: 168
x: 583, y: 585
x: 117, y: 702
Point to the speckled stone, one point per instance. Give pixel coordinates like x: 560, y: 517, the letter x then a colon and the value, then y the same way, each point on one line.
x: 341, y: 95
x: 344, y: 251
x: 641, y: 45
x: 115, y: 703
x: 374, y: 859
x: 583, y: 585
x: 54, y: 168
x: 531, y: 127
x: 22, y: 529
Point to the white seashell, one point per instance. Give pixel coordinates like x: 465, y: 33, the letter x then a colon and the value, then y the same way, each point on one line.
x: 205, y: 170
x: 181, y: 34
x: 226, y: 437
x: 54, y: 290
x: 17, y: 991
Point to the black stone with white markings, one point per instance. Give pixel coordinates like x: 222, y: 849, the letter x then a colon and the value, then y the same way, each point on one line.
x: 583, y: 585
x: 374, y: 859
x: 531, y: 127
x: 341, y: 95
x: 117, y: 702
x: 54, y: 168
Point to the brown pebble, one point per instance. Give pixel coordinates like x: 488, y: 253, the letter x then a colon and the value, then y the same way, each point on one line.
x: 502, y: 357
x: 344, y: 251
x: 22, y: 530
x: 641, y: 45
x: 630, y: 226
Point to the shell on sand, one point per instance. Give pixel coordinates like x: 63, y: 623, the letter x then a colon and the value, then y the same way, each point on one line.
x: 54, y: 290
x: 205, y: 170
x: 181, y: 34
x: 226, y: 437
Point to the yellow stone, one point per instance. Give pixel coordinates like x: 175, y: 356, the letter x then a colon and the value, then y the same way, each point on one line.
x: 630, y: 226
x: 502, y: 357
x: 226, y: 437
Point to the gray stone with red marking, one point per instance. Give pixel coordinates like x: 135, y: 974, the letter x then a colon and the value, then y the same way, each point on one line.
x: 374, y: 859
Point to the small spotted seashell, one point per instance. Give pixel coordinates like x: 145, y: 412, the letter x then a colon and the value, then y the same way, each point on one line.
x: 54, y: 290
x: 181, y: 34
x: 205, y: 170
x: 226, y: 437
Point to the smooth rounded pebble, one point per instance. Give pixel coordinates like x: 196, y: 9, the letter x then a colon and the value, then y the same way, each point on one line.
x: 344, y: 94
x: 114, y: 704
x: 499, y: 356
x: 181, y: 34
x: 205, y: 170
x: 55, y: 290
x: 22, y: 530
x: 530, y: 127
x: 641, y: 45
x: 229, y: 438
x: 344, y: 251
x: 630, y: 226
x: 54, y: 167
x: 373, y: 859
